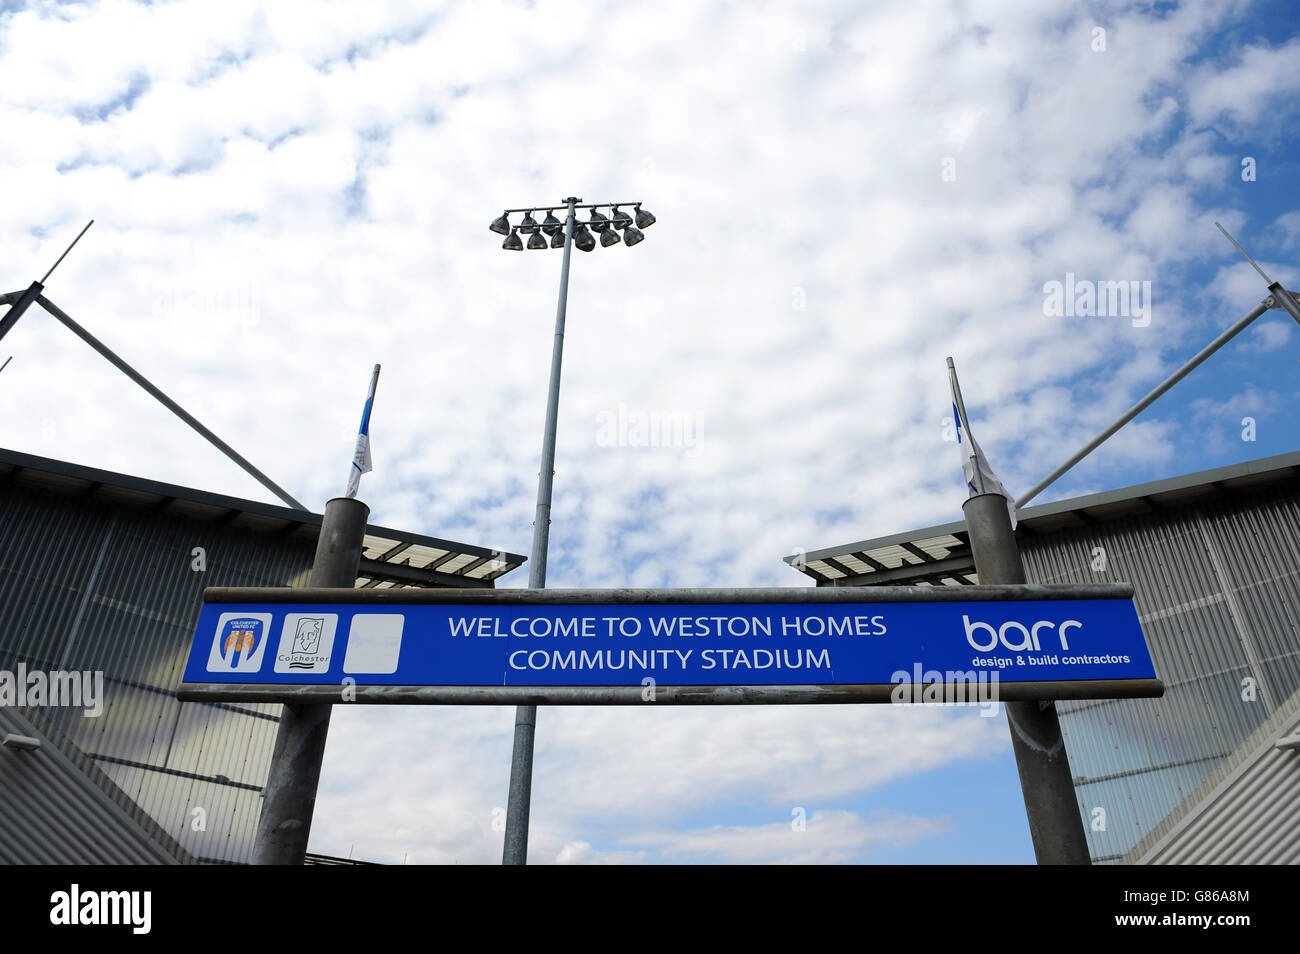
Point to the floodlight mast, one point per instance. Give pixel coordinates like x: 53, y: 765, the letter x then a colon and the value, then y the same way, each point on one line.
x: 515, y: 850
x: 519, y: 800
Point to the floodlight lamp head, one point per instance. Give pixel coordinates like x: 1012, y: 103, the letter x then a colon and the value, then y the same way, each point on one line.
x: 557, y: 240
x: 632, y: 235
x: 501, y: 225
x: 529, y: 225
x: 620, y: 219
x: 609, y: 237
x: 536, y: 240
x: 583, y: 239
x: 643, y: 218
x: 550, y: 224
x: 598, y: 222
x: 512, y: 242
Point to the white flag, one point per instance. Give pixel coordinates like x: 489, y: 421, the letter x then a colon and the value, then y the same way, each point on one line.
x: 980, y: 478
x: 361, y: 462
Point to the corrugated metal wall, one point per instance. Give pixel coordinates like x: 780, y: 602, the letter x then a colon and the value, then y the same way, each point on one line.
x: 90, y: 586
x: 58, y: 812
x: 1217, y: 586
x: 1246, y: 812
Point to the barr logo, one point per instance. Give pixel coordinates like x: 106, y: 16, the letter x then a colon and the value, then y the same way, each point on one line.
x: 1028, y: 638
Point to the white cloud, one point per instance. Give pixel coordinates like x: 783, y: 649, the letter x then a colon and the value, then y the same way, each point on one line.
x: 1269, y: 335
x: 1249, y: 402
x: 1262, y: 79
x: 826, y: 838
x: 1288, y: 224
x: 581, y: 853
x: 604, y: 774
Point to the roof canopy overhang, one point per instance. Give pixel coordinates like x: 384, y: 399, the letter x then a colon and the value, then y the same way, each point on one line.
x: 389, y: 558
x: 941, y: 555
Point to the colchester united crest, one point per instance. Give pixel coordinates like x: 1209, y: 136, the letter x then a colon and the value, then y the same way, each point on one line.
x: 240, y: 643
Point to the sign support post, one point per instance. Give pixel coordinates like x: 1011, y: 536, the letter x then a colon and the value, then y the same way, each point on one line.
x: 1054, y: 821
x: 290, y: 795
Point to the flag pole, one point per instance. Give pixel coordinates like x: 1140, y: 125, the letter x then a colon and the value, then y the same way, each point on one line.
x: 963, y: 423
x: 1051, y: 806
x: 1051, y: 801
x: 361, y: 463
x: 289, y: 798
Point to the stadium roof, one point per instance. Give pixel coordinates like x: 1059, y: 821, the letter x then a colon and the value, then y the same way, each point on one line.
x: 941, y: 555
x: 389, y: 558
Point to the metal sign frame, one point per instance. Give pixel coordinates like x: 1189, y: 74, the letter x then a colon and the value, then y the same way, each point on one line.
x: 1006, y: 691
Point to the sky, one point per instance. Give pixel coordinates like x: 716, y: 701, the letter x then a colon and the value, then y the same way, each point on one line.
x: 846, y: 194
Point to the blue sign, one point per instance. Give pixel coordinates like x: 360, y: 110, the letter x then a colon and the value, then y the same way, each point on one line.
x: 462, y: 643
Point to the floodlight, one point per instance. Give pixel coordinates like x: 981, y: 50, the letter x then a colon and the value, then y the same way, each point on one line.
x: 613, y: 227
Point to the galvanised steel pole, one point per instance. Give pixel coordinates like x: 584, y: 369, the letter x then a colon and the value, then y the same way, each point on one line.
x: 1055, y: 824
x: 1280, y: 298
x: 519, y: 801
x: 1192, y: 364
x: 167, y: 402
x: 290, y: 795
x: 16, y: 310
x: 23, y: 301
x: 1285, y: 300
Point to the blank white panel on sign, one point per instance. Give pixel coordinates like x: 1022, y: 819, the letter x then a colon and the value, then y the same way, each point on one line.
x: 374, y: 643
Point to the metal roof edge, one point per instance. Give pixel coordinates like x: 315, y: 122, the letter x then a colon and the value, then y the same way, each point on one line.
x: 1217, y: 475
x: 305, y: 517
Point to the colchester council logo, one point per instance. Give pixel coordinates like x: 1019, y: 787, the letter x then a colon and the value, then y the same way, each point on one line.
x: 306, y: 642
x: 239, y: 643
